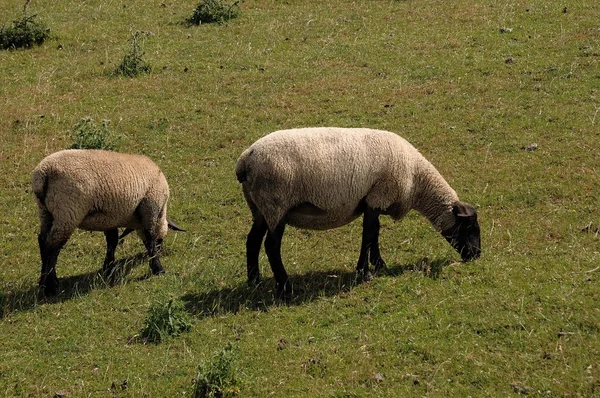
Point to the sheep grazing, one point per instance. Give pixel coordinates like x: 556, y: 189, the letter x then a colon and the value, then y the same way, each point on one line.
x: 322, y: 178
x: 98, y: 190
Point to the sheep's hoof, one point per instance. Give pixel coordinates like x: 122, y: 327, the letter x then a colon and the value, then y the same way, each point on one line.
x: 379, y: 264
x: 49, y: 288
x: 156, y: 267
x: 362, y: 276
x: 284, y: 292
x: 158, y: 271
x: 254, y: 281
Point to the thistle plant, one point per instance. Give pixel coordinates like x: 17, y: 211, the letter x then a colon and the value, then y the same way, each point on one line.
x: 25, y: 32
x: 210, y: 11
x: 133, y: 63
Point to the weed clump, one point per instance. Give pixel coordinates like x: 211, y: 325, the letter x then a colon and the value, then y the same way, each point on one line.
x: 210, y: 11
x: 219, y: 378
x: 24, y: 32
x: 166, y: 320
x: 87, y: 134
x: 133, y: 63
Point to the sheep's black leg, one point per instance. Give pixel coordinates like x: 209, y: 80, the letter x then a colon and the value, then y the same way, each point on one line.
x: 374, y: 254
x: 370, y: 235
x: 48, y: 284
x: 112, y: 240
x: 151, y: 215
x: 253, y: 243
x: 151, y: 249
x: 50, y: 240
x: 49, y: 280
x: 273, y: 249
x: 49, y: 252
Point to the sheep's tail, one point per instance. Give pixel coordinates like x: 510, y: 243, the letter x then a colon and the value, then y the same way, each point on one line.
x: 241, y: 167
x: 40, y: 185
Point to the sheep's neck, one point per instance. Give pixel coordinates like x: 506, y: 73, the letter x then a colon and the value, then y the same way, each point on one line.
x: 434, y: 198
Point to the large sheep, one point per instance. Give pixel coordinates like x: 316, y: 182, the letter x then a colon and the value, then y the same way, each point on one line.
x: 98, y: 191
x: 322, y: 178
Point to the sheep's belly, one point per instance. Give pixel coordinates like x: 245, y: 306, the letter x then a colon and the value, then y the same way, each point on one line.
x: 308, y: 216
x: 101, y: 222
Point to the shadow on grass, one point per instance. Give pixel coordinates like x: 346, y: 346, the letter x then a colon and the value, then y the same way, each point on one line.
x: 23, y: 299
x: 306, y: 288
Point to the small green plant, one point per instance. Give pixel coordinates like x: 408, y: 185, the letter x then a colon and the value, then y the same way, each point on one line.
x: 87, y: 134
x: 164, y: 320
x: 219, y: 378
x: 209, y: 11
x: 24, y: 32
x: 133, y: 63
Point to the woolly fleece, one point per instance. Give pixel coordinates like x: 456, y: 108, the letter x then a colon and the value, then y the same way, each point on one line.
x: 322, y: 178
x: 100, y: 190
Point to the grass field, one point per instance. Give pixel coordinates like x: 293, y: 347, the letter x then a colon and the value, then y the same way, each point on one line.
x: 472, y: 84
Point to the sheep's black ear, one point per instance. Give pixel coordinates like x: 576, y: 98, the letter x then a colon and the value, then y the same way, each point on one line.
x: 461, y: 209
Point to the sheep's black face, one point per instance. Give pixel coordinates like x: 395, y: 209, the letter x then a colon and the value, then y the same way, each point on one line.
x: 465, y: 235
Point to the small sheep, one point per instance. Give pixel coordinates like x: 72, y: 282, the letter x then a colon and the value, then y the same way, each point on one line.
x: 322, y: 178
x: 98, y: 191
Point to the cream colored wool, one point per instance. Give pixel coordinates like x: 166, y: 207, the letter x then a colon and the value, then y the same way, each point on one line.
x: 318, y: 177
x: 100, y: 190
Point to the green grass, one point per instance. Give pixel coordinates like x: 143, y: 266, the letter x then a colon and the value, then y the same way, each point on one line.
x: 524, y: 318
